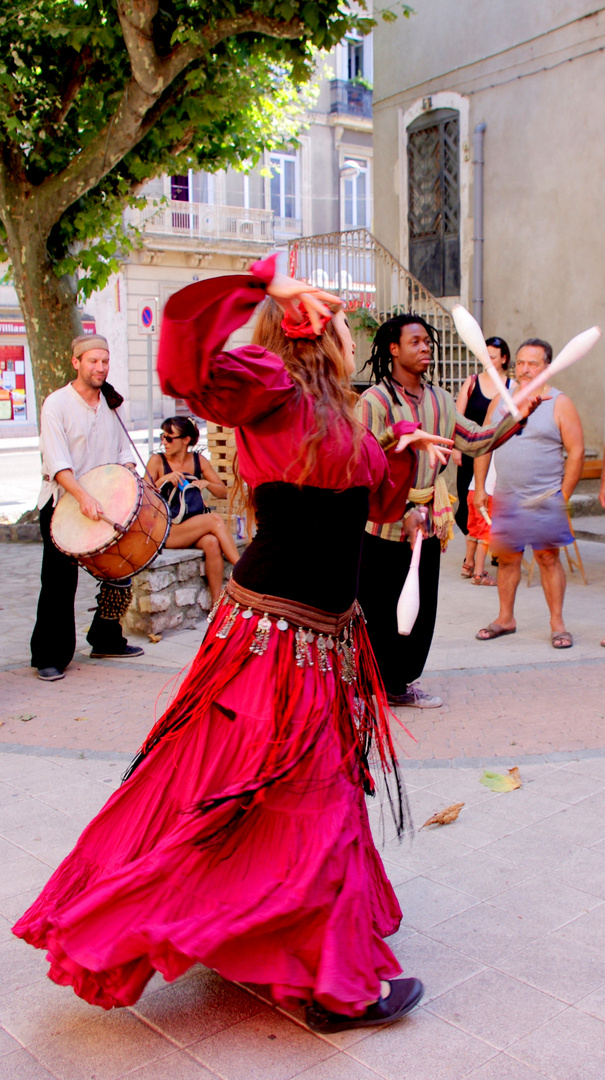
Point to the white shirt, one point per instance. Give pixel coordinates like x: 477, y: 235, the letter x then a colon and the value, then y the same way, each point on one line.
x: 77, y: 436
x: 490, y: 479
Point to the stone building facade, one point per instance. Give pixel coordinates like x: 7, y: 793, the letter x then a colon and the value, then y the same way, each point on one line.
x: 533, y: 75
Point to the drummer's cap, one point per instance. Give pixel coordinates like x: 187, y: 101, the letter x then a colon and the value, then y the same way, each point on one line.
x: 85, y: 342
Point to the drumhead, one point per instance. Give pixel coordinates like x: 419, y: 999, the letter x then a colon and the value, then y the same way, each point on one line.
x: 117, y: 489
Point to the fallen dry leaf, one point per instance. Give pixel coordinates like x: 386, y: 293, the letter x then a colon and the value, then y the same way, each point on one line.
x: 26, y: 716
x: 154, y: 638
x: 76, y: 718
x: 501, y: 782
x: 444, y: 817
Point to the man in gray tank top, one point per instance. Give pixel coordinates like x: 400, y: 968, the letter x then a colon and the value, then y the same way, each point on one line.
x: 534, y: 481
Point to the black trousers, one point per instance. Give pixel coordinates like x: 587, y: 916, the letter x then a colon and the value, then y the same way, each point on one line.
x: 384, y: 567
x: 463, y: 479
x: 53, y: 641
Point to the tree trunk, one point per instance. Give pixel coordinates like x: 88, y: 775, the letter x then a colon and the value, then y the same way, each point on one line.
x: 48, y: 304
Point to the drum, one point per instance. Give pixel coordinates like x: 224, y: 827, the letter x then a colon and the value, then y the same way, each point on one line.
x: 106, y: 551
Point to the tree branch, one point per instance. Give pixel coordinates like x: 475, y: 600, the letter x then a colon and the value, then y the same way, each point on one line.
x: 151, y: 76
x: 79, y: 68
x: 14, y: 160
x: 154, y: 73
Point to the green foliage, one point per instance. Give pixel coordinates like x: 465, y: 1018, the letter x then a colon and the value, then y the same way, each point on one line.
x: 359, y: 80
x: 64, y: 73
x: 363, y: 319
x: 388, y: 15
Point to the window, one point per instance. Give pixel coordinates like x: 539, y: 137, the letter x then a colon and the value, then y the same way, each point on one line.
x: 246, y: 190
x: 196, y: 187
x: 434, y: 201
x: 180, y: 192
x: 356, y: 193
x: 354, y: 58
x: 202, y: 187
x: 179, y: 188
x: 283, y: 185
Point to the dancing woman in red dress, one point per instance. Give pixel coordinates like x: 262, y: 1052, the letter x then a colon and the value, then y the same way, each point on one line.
x: 240, y: 837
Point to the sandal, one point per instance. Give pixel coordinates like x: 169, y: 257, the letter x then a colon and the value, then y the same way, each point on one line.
x: 561, y: 639
x: 494, y: 630
x: 483, y: 579
x: 467, y: 571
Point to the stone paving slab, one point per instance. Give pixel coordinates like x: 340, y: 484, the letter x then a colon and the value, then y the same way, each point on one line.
x: 516, y: 695
x: 511, y: 950
x: 504, y: 909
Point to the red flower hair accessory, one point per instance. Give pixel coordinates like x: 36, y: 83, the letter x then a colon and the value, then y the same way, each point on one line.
x: 303, y: 328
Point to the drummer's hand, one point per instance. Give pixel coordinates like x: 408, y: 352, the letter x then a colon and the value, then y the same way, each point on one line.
x: 289, y: 292
x: 90, y: 507
x: 436, y: 446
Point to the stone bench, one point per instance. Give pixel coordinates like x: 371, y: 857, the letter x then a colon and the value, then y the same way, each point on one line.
x: 172, y: 594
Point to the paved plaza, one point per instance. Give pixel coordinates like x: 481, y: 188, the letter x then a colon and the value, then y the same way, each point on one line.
x: 504, y: 909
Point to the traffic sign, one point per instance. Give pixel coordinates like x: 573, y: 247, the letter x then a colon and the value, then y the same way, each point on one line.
x: 147, y: 320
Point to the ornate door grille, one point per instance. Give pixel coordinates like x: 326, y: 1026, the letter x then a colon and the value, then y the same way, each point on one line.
x: 434, y: 201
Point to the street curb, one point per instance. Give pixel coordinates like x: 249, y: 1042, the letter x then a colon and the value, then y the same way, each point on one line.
x: 555, y: 757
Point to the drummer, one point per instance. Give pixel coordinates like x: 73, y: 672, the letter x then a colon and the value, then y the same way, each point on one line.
x: 78, y: 431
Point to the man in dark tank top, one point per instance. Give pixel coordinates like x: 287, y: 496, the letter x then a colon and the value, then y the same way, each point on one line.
x: 534, y: 481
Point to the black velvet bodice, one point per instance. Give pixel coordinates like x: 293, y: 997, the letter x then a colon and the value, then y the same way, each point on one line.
x: 307, y: 546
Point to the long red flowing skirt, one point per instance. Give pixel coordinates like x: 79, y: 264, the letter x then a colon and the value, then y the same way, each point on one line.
x: 241, y: 841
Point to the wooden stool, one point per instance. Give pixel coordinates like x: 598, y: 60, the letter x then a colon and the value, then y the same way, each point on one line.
x: 574, y: 561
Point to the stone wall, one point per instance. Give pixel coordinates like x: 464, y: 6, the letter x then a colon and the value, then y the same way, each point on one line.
x: 172, y: 594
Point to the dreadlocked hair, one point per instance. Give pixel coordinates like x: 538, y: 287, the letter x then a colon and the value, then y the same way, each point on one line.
x: 381, y: 360
x: 317, y: 365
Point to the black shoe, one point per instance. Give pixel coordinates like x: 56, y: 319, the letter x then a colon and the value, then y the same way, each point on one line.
x: 405, y: 994
x: 50, y: 674
x: 130, y: 650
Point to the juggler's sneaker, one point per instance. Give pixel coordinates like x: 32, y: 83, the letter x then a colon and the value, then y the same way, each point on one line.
x: 415, y: 698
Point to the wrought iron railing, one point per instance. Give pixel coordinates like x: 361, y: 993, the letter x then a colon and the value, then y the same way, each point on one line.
x: 204, y: 221
x: 350, y: 98
x: 374, y: 284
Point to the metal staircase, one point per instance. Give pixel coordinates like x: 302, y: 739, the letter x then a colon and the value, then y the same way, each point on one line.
x: 375, y: 286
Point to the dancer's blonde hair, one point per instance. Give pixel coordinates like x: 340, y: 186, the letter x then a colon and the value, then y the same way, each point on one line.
x: 317, y: 365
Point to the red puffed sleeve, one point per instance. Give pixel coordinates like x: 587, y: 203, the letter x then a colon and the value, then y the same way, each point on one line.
x: 232, y: 388
x: 389, y: 501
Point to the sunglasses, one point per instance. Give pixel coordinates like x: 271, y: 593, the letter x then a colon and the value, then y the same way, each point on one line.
x: 169, y: 438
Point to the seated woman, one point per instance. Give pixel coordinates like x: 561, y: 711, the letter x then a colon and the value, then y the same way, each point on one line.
x: 177, y: 464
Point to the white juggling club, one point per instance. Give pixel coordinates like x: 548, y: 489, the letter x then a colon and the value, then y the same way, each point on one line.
x: 408, y: 604
x: 469, y: 330
x: 485, y: 515
x: 574, y: 350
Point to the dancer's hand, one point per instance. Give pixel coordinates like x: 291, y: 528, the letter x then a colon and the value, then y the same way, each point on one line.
x: 289, y: 292
x: 436, y: 446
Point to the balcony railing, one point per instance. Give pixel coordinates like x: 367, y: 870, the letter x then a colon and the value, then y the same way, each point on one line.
x: 372, y: 282
x: 350, y: 98
x: 201, y: 221
x: 286, y: 228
